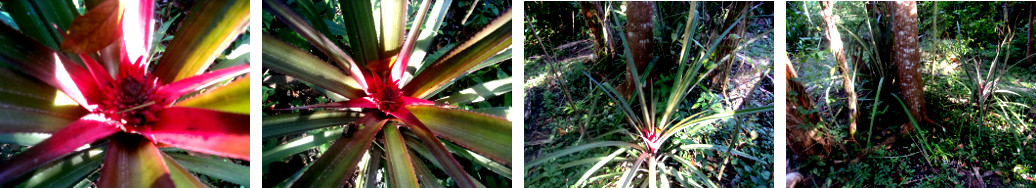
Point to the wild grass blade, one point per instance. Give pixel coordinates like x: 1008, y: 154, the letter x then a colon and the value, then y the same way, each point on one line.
x: 874, y: 110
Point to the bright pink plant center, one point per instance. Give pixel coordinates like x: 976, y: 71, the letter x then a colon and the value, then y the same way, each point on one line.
x: 387, y: 97
x: 131, y: 100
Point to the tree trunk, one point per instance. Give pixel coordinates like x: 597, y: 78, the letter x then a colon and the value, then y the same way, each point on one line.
x: 728, y: 44
x: 593, y: 23
x: 801, y: 138
x: 935, y: 20
x: 640, y: 18
x: 908, y: 60
x: 1031, y: 49
x: 597, y: 23
x: 835, y: 40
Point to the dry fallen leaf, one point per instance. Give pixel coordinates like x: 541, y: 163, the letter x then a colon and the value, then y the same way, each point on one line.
x: 96, y: 29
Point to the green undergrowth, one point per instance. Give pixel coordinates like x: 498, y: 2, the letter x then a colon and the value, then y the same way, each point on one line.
x: 996, y: 149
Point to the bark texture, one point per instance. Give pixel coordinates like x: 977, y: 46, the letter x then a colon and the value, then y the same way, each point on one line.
x: 801, y: 138
x: 908, y: 59
x: 597, y: 23
x: 728, y: 44
x: 640, y: 18
x: 1031, y: 49
x: 836, y: 47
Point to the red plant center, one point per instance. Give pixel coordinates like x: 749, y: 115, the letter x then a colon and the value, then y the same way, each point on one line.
x: 131, y: 101
x: 387, y: 97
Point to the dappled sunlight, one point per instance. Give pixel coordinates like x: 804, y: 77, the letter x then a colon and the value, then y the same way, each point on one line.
x: 60, y: 99
x: 64, y: 79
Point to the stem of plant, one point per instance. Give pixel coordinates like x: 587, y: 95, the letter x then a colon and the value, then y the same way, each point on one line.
x: 652, y: 172
x: 874, y: 111
x: 137, y: 107
x: 553, y: 67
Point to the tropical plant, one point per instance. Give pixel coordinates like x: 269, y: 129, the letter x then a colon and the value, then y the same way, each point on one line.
x: 119, y: 101
x: 983, y: 86
x: 392, y: 84
x: 655, y: 128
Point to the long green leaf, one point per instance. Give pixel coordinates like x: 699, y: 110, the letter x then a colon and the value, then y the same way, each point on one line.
x: 400, y: 168
x: 496, y: 59
x: 680, y: 89
x: 720, y: 149
x: 359, y: 23
x: 67, y: 172
x: 421, y: 150
x: 425, y: 39
x: 597, y: 166
x: 393, y: 20
x: 180, y: 176
x: 287, y: 59
x: 479, y: 159
x: 217, y: 168
x: 315, y: 37
x: 311, y: 13
x: 583, y: 147
x: 203, y: 36
x: 292, y: 147
x: 56, y: 13
x: 441, y: 154
x: 480, y: 92
x: 372, y: 164
x: 336, y: 167
x: 232, y: 98
x: 632, y: 68
x: 428, y: 179
x: 280, y: 125
x: 631, y: 173
x: 131, y: 160
x: 483, y: 134
x: 494, y: 38
x: 29, y: 22
x: 704, y: 120
x: 610, y: 91
x: 25, y: 139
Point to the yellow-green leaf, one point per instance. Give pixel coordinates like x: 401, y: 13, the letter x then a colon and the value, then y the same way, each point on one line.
x: 492, y: 39
x: 207, y: 31
x: 483, y: 134
x: 401, y: 169
x: 231, y: 98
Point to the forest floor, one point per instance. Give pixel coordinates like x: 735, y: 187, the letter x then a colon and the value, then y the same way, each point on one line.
x: 551, y: 124
x: 996, y: 149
